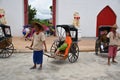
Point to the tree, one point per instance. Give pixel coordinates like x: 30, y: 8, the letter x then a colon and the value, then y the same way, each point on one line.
x: 31, y: 14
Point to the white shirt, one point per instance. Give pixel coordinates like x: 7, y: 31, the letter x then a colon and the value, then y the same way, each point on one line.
x: 27, y: 30
x: 113, y: 39
x: 38, y: 41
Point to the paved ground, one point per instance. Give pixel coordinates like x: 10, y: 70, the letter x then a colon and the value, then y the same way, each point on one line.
x: 88, y: 67
x: 85, y: 44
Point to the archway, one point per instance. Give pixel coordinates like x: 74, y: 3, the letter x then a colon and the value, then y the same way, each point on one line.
x: 105, y: 17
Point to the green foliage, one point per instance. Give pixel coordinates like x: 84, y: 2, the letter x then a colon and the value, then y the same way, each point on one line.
x: 45, y: 22
x: 31, y: 14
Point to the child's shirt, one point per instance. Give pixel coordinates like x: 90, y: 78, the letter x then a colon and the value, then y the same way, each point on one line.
x: 38, y: 41
x: 113, y: 39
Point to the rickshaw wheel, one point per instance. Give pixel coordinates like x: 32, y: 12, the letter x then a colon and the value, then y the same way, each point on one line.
x: 54, y: 47
x: 7, y: 51
x: 73, y: 53
x: 97, y: 45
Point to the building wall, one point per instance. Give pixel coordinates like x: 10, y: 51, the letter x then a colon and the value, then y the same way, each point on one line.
x: 14, y: 13
x: 88, y: 11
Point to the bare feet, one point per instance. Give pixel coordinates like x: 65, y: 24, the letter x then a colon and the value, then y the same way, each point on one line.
x: 34, y: 67
x: 114, y: 61
x: 40, y: 68
x: 109, y: 63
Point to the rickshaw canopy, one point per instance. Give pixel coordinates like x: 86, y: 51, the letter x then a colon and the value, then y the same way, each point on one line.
x: 104, y: 27
x: 71, y: 29
x: 5, y: 31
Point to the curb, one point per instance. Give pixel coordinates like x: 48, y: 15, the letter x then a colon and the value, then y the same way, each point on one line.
x: 22, y: 51
x: 30, y: 51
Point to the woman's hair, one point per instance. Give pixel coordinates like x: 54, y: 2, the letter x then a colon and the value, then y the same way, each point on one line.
x: 69, y: 33
x: 38, y: 25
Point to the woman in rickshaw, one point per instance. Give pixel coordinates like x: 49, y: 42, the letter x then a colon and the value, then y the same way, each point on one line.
x: 65, y: 46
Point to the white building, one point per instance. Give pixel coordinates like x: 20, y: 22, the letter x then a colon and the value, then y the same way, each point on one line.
x: 15, y: 14
x: 92, y: 12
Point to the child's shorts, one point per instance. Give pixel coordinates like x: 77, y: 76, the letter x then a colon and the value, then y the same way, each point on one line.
x: 112, y: 51
x: 38, y: 57
x: 63, y: 47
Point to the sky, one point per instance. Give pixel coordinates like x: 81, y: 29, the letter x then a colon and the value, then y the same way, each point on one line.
x: 42, y: 7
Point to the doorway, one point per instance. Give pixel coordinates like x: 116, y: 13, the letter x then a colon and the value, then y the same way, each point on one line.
x: 105, y: 17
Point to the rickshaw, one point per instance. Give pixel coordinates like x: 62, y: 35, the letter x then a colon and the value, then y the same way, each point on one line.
x: 102, y: 42
x: 6, y: 45
x: 72, y: 51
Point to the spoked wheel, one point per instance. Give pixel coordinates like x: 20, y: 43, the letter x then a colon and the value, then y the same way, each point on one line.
x: 7, y: 52
x: 73, y: 53
x: 97, y: 46
x: 60, y: 32
x: 54, y: 47
x: 0, y: 53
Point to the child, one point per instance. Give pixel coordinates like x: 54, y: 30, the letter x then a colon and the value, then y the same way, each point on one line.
x: 37, y: 45
x: 113, y: 36
x: 66, y: 44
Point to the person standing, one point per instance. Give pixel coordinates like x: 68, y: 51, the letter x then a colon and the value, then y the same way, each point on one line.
x: 37, y: 46
x: 113, y: 36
